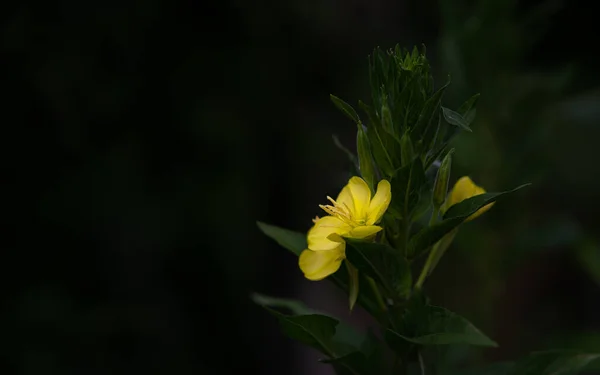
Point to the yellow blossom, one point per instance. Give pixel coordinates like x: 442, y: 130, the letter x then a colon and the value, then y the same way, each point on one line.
x: 352, y: 215
x: 463, y: 189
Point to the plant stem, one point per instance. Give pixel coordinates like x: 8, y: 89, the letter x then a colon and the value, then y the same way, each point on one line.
x: 432, y: 254
x: 421, y: 364
x: 435, y: 255
x: 380, y: 300
x: 426, y: 267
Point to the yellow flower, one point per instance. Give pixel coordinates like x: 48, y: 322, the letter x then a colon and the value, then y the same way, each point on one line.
x: 353, y: 215
x: 463, y: 189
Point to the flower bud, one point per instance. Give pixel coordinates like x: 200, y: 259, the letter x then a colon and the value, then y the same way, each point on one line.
x: 440, y: 187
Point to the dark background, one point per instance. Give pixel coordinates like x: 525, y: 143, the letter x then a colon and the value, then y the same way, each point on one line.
x: 143, y: 139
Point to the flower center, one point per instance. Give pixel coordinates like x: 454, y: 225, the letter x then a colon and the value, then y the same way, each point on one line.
x: 341, y: 211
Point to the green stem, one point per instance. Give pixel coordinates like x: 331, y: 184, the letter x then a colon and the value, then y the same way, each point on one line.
x: 434, y: 215
x: 380, y: 300
x: 426, y: 267
x: 434, y: 257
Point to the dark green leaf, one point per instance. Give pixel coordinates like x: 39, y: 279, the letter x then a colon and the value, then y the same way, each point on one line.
x: 354, y: 363
x: 354, y: 284
x: 327, y: 334
x: 294, y: 306
x: 469, y: 206
x: 428, y: 112
x: 382, y: 263
x: 383, y: 145
x: 407, y: 184
x: 468, y: 105
x: 368, y: 360
x: 554, y: 362
x: 293, y: 241
x: 455, y: 216
x: 438, y: 326
x: 345, y: 108
x: 455, y: 118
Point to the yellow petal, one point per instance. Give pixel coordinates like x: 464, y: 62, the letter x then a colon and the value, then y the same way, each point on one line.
x: 345, y: 199
x: 363, y: 232
x: 325, y: 226
x: 463, y: 189
x: 361, y: 196
x: 317, y: 265
x: 380, y: 202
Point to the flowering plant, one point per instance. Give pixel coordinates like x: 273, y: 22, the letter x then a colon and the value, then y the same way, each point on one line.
x: 390, y: 225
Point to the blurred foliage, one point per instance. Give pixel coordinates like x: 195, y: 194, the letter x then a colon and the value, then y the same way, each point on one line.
x: 535, y: 272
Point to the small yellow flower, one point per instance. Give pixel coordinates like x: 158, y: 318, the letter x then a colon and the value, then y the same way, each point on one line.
x: 463, y: 189
x: 352, y: 215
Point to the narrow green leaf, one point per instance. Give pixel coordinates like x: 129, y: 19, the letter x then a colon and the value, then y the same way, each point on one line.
x: 455, y: 118
x: 294, y: 306
x: 455, y: 216
x: 439, y: 326
x: 428, y: 112
x: 469, y: 206
x: 383, y: 145
x: 293, y: 241
x: 382, y: 263
x: 468, y: 105
x: 408, y: 183
x: 354, y: 284
x: 345, y: 108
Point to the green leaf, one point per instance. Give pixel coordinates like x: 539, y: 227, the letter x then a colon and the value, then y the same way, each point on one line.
x: 383, y: 145
x: 429, y: 111
x: 554, y: 362
x: 293, y: 241
x: 382, y: 263
x: 368, y: 360
x: 345, y: 108
x: 354, y: 284
x: 407, y: 184
x: 455, y: 118
x: 473, y: 204
x: 468, y: 109
x: 468, y: 105
x: 320, y: 331
x: 455, y: 216
x: 434, y: 325
x: 295, y: 306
